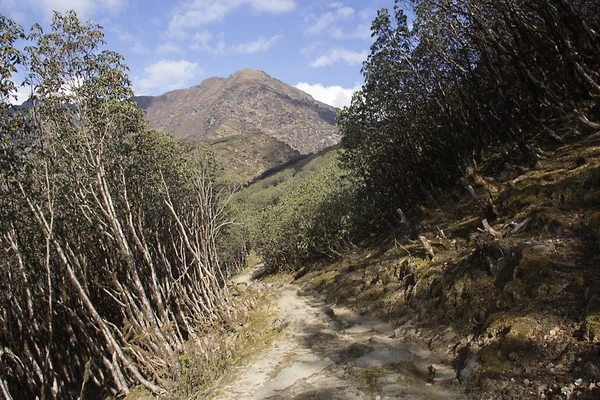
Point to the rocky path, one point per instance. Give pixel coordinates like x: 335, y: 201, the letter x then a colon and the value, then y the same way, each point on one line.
x: 330, y: 353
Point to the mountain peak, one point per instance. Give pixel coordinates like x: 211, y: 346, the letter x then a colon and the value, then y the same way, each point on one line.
x: 250, y: 76
x: 249, y: 73
x: 257, y: 120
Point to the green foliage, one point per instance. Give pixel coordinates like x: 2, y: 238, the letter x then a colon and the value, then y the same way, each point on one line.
x: 295, y: 217
x: 109, y: 231
x: 10, y: 57
x: 468, y: 74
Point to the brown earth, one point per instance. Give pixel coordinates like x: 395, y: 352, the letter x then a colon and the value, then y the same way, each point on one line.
x: 255, y: 121
x: 331, y: 353
x: 517, y: 306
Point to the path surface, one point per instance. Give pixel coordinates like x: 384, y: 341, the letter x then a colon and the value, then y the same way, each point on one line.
x: 330, y: 353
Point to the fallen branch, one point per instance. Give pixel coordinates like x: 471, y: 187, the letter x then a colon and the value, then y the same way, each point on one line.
x: 488, y: 229
x: 427, y: 246
x: 541, y: 153
x: 469, y: 188
x: 414, y: 234
x: 521, y: 226
x: 300, y: 273
x: 440, y: 232
x: 553, y: 134
x: 397, y: 244
x: 519, y: 179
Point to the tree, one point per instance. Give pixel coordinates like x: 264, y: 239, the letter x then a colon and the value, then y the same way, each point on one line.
x: 468, y: 75
x: 110, y: 229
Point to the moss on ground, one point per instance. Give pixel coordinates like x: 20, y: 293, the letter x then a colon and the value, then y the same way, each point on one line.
x: 591, y: 325
x: 512, y: 345
x: 507, y: 296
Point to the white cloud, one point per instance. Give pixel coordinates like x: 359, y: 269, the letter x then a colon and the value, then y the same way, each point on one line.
x: 200, y: 41
x: 362, y: 31
x: 169, y: 47
x: 166, y: 75
x: 22, y: 95
x: 256, y: 46
x: 312, y: 48
x: 203, y: 41
x: 135, y: 45
x: 328, y: 20
x: 196, y: 13
x: 339, y: 54
x: 335, y: 96
x: 139, y: 48
x: 125, y: 36
x: 202, y: 36
x: 84, y: 8
x: 339, y: 22
x: 273, y: 6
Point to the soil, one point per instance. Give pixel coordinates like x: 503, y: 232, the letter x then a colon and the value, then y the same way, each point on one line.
x: 330, y: 352
x: 506, y: 307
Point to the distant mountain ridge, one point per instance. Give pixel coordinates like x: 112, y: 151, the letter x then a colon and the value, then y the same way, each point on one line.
x: 253, y: 121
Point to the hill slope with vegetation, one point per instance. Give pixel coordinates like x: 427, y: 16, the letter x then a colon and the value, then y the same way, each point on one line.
x: 464, y: 196
x: 463, y: 206
x: 513, y: 300
x: 116, y: 239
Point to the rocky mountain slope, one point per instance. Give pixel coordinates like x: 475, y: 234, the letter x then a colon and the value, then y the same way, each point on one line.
x: 254, y: 121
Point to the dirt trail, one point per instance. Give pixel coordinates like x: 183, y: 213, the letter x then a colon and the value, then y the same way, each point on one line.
x: 330, y: 353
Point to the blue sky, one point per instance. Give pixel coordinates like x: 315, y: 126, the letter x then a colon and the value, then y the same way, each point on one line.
x: 317, y: 46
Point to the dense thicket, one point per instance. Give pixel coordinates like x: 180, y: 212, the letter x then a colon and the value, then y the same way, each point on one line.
x: 468, y: 74
x: 108, y: 230
x: 295, y: 217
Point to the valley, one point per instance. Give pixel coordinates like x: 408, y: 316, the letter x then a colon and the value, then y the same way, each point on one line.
x: 192, y: 227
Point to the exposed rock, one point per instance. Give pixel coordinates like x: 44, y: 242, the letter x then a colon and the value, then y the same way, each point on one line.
x: 259, y: 271
x: 384, y: 356
x: 295, y: 372
x: 359, y: 330
x: 407, y: 332
x: 356, y: 350
x: 392, y: 388
x: 329, y: 332
x: 253, y: 121
x: 449, y: 335
x: 335, y: 325
x: 442, y: 373
x: 467, y: 372
x: 328, y: 311
x: 388, y: 379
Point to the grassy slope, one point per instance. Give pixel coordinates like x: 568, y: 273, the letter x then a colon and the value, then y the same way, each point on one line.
x: 524, y: 308
x: 245, y: 157
x: 277, y: 182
